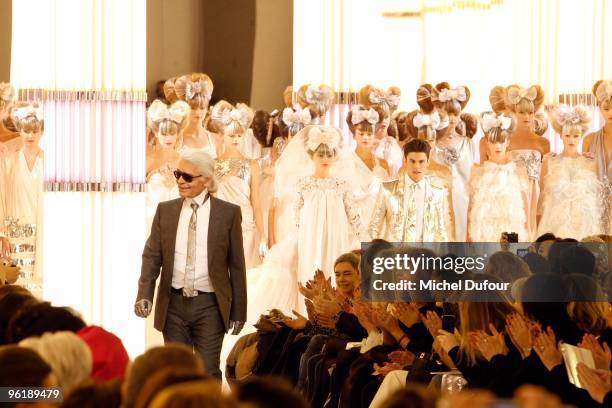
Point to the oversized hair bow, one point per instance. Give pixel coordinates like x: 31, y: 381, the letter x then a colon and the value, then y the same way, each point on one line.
x: 566, y: 116
x: 192, y: 89
x: 298, y: 117
x: 238, y: 116
x: 159, y: 111
x: 320, y: 135
x: 362, y: 115
x: 604, y: 91
x: 515, y: 94
x: 421, y: 120
x: 457, y: 94
x: 317, y: 96
x: 490, y: 121
x: 23, y: 112
x: 387, y: 99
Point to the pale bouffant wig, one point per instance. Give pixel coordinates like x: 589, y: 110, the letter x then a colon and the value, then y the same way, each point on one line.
x: 229, y: 119
x: 384, y: 102
x: 452, y: 100
x: 427, y: 132
x: 566, y: 118
x: 368, y: 120
x: 497, y: 99
x: 27, y: 117
x: 317, y: 98
x: 602, y: 90
x: 195, y: 89
x: 167, y: 120
x: 468, y: 124
x: 540, y: 123
x: 425, y: 96
x: 524, y: 100
x: 497, y: 134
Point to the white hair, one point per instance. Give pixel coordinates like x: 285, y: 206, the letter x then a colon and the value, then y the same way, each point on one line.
x: 203, y: 161
x: 68, y: 355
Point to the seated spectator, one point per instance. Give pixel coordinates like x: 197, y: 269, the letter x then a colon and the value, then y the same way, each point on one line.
x: 95, y: 395
x: 204, y: 394
x: 110, y: 359
x: 12, y: 300
x: 23, y: 367
x: 40, y: 318
x: 269, y: 392
x: 68, y: 356
x: 163, y: 379
x: 537, y: 263
x: 178, y: 356
x: 543, y: 242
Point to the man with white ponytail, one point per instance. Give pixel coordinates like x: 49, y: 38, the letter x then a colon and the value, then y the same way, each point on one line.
x: 196, y: 243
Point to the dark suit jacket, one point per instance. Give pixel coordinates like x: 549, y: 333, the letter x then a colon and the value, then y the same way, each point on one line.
x: 226, y: 266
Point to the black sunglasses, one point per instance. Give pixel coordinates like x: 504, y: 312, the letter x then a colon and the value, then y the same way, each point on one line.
x: 186, y: 176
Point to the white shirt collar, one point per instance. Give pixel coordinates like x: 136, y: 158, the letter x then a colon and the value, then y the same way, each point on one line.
x: 420, y: 184
x: 199, y: 199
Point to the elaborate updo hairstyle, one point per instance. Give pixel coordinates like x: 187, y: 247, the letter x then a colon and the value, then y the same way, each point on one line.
x: 231, y: 120
x: 196, y: 89
x: 422, y: 126
x: 318, y: 99
x: 325, y: 139
x: 540, y: 123
x: 264, y: 128
x: 497, y: 128
x: 360, y: 118
x: 451, y: 100
x: 497, y: 99
x: 425, y: 96
x: 169, y: 91
x: 524, y: 100
x: 384, y: 102
x: 27, y: 117
x: 401, y: 121
x: 566, y: 118
x: 291, y: 121
x: 168, y: 120
x: 468, y: 125
x: 602, y: 90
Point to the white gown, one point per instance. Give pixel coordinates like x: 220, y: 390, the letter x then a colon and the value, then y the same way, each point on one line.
x: 23, y: 194
x: 531, y: 162
x: 266, y: 186
x: 571, y: 199
x: 497, y: 202
x: 161, y: 186
x: 234, y: 178
x: 366, y: 194
x: 460, y: 160
x: 329, y: 225
x: 390, y: 150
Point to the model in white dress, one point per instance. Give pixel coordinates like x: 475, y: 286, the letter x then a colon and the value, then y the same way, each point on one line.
x: 326, y: 219
x: 22, y: 173
x: 570, y: 202
x: 455, y: 149
x: 167, y: 124
x: 497, y: 186
x: 238, y: 178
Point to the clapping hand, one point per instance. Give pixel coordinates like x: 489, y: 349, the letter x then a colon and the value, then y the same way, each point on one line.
x: 521, y: 333
x: 403, y: 358
x: 597, y: 382
x: 386, y: 368
x: 433, y: 323
x: 546, y: 348
x: 296, y: 324
x: 489, y: 346
x: 407, y: 313
x: 447, y: 340
x: 601, y: 355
